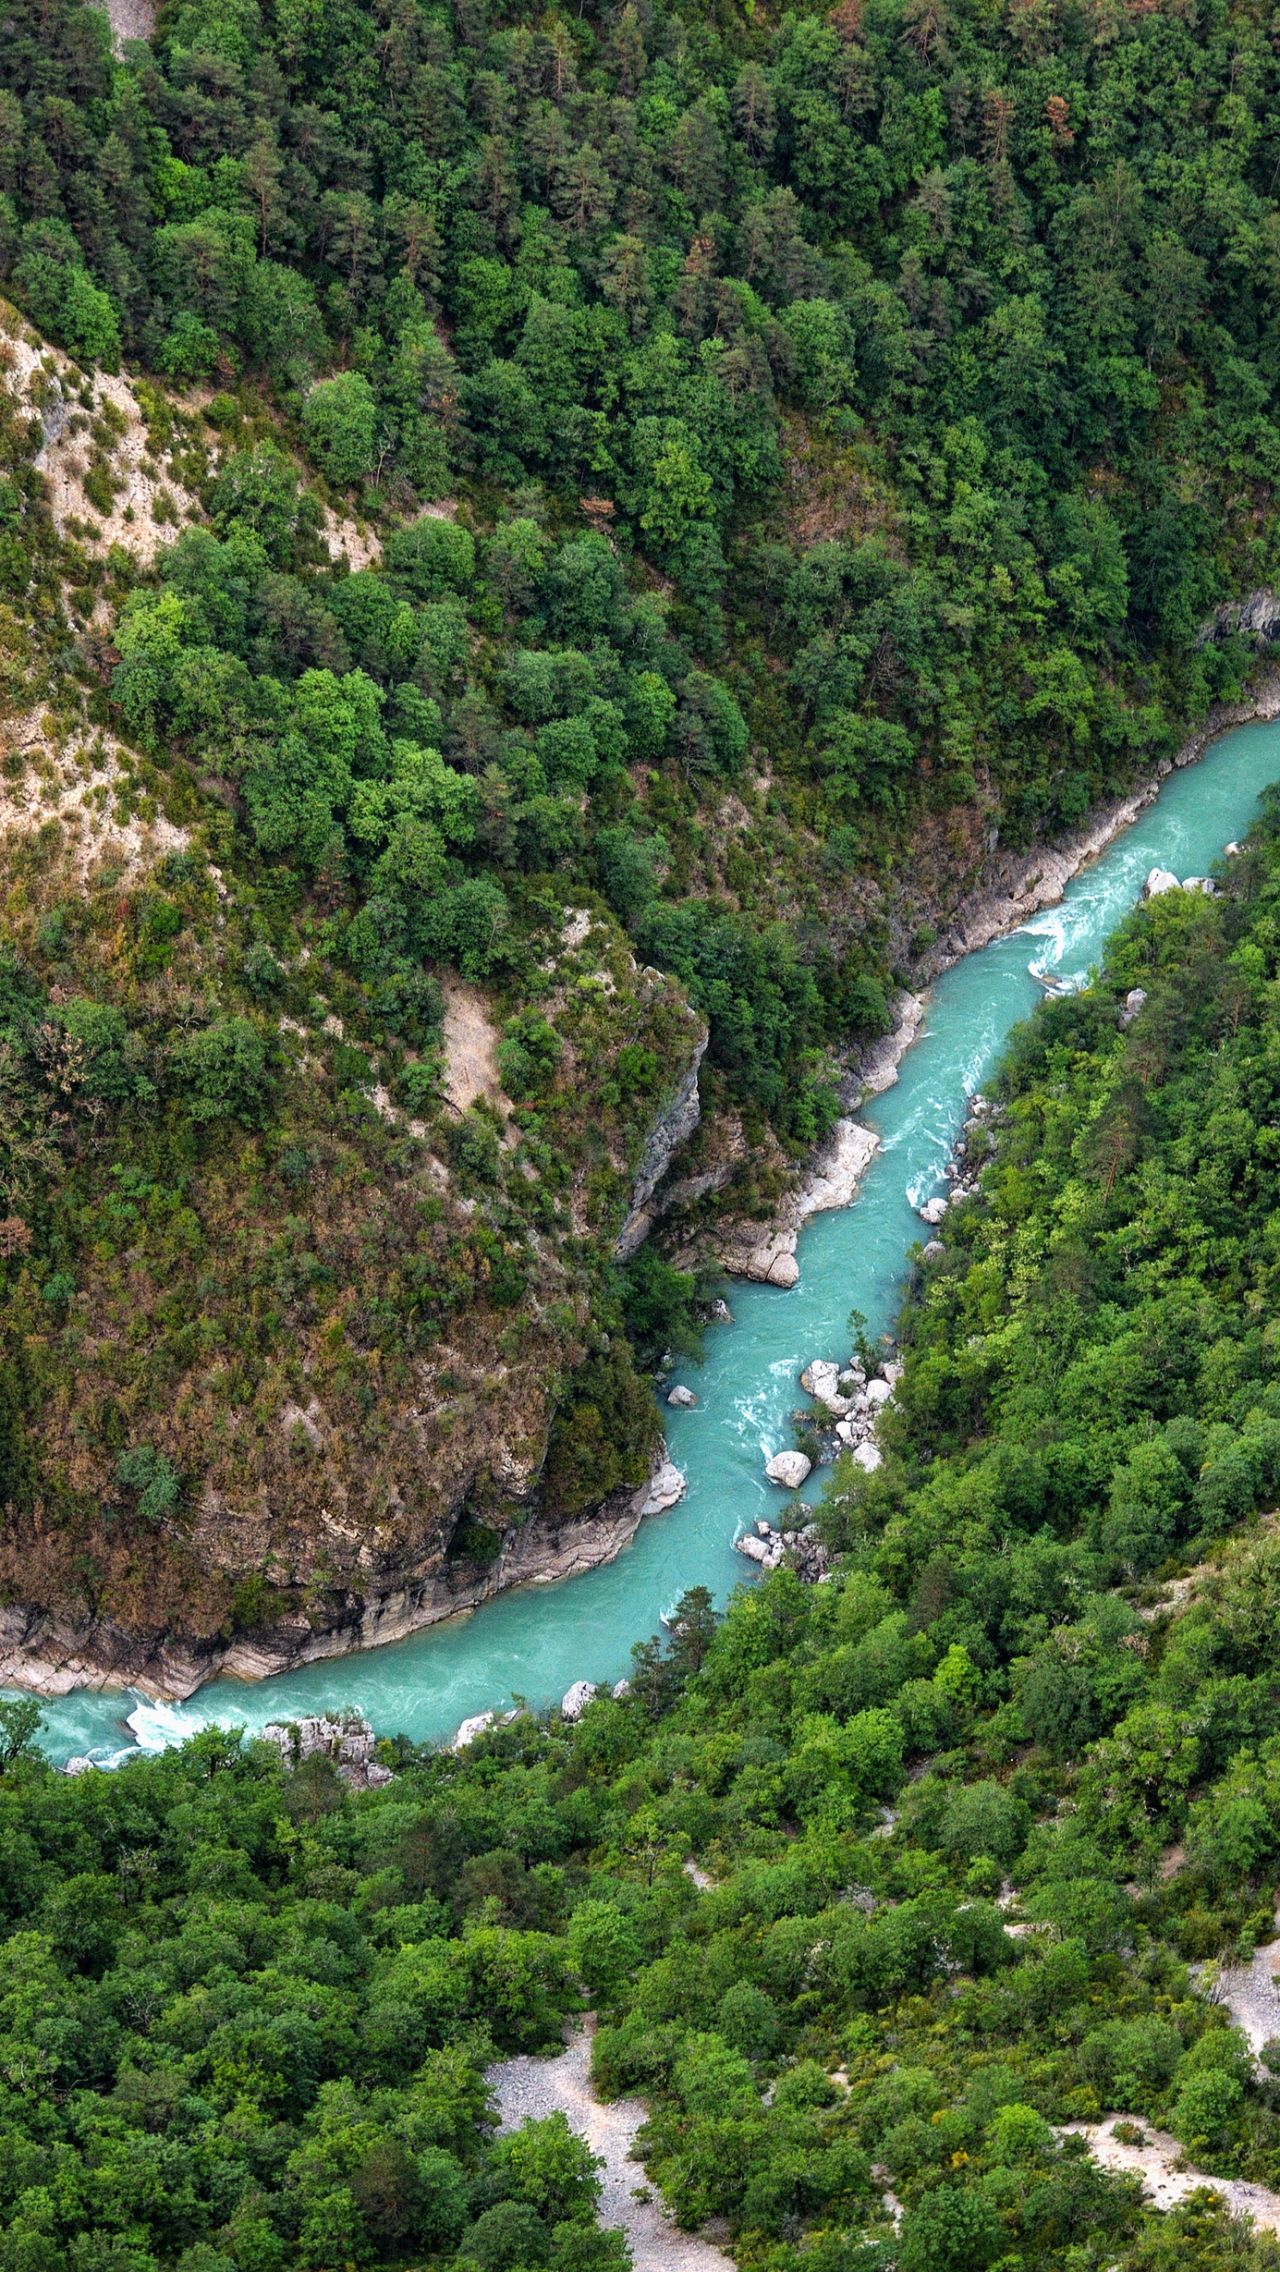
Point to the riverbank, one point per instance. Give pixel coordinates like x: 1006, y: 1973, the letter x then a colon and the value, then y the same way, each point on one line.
x: 1038, y: 879
x: 44, y: 1654
x: 1022, y: 888
x: 537, y: 1644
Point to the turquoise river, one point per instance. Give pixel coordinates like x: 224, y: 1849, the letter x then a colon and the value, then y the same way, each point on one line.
x: 534, y: 1643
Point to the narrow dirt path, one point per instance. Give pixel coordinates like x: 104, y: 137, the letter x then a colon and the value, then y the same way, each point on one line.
x: 529, y: 2089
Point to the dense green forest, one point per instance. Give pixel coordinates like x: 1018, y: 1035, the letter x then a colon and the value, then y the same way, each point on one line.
x: 965, y: 1815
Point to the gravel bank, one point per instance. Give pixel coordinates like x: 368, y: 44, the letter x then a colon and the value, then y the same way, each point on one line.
x: 1251, y: 1993
x: 528, y: 2089
x: 1165, y: 2178
x: 131, y: 19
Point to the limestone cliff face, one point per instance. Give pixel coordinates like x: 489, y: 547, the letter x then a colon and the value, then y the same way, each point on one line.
x: 51, y: 1652
x: 672, y: 1129
x: 1256, y: 617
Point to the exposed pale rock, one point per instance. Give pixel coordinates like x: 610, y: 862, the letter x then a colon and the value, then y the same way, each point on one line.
x: 808, y: 1554
x: 837, y: 1169
x: 788, y: 1469
x: 867, y: 1457
x: 576, y: 1699
x: 894, y: 1371
x: 769, y: 1259
x: 674, y: 1126
x: 878, y: 1066
x: 666, y: 1489
x: 621, y: 1688
x: 754, y: 1548
x: 932, y: 1211
x: 1133, y: 1002
x: 470, y: 1729
x: 932, y: 1251
x: 1160, y: 880
x: 719, y: 1312
x: 821, y: 1379
x: 81, y: 1764
x: 682, y: 1398
x: 347, y: 1741
x: 1256, y: 617
x: 878, y: 1392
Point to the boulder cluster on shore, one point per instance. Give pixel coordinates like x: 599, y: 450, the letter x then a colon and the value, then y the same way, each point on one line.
x: 969, y: 1155
x: 851, y: 1397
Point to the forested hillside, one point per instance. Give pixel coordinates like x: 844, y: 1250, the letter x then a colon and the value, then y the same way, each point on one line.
x: 727, y: 478
x: 963, y: 1818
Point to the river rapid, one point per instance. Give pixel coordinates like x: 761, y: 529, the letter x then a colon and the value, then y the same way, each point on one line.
x: 533, y: 1643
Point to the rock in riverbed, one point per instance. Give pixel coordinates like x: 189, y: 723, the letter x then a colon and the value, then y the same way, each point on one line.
x: 788, y: 1469
x: 576, y: 1699
x: 682, y: 1398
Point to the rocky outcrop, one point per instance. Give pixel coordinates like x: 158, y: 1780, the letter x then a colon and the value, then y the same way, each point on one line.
x: 671, y: 1130
x: 802, y: 1549
x: 665, y: 1489
x: 837, y: 1387
x: 1162, y: 880
x: 788, y: 1469
x: 876, y: 1067
x: 1255, y: 618
x: 47, y: 1653
x: 349, y: 1742
x: 769, y: 1255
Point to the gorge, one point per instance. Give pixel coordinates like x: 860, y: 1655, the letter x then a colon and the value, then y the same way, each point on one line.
x: 534, y: 1642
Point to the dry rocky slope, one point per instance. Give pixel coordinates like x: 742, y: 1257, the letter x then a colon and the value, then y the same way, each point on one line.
x: 360, y: 1532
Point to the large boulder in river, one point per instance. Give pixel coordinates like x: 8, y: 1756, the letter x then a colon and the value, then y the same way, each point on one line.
x: 756, y: 1549
x: 821, y: 1379
x: 932, y: 1211
x: 682, y: 1398
x: 788, y: 1469
x: 1160, y: 880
